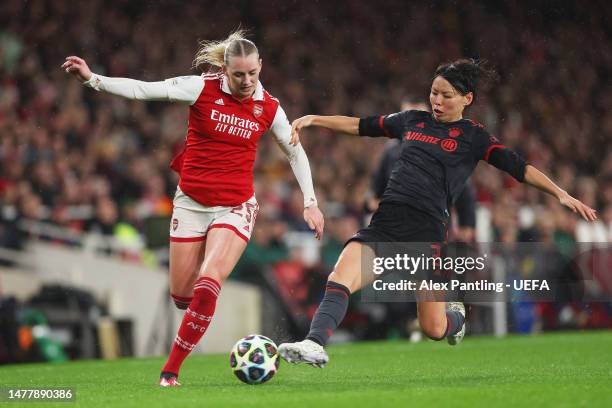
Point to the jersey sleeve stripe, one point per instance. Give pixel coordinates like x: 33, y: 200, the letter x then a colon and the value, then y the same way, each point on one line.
x: 381, y: 124
x: 490, y: 149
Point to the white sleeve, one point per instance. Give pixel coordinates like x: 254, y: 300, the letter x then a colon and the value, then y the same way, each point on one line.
x: 281, y: 130
x: 184, y: 89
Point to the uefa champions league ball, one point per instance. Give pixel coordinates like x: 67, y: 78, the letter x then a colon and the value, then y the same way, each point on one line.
x: 254, y: 359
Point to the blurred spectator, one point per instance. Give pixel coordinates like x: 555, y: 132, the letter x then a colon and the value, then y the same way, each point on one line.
x: 79, y: 161
x: 57, y: 138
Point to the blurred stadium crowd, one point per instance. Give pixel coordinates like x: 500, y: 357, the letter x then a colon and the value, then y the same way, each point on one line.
x: 91, y: 162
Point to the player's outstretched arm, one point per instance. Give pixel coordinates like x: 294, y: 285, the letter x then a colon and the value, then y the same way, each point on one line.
x: 540, y: 181
x: 281, y: 130
x: 340, y: 124
x: 184, y: 89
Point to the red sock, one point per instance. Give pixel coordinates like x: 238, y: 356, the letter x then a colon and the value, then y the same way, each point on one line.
x: 181, y: 302
x: 195, y: 322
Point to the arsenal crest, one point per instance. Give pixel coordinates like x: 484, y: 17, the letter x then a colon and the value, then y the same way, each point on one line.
x: 257, y: 110
x: 174, y: 224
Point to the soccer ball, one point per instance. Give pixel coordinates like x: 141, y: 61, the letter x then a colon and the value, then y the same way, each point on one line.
x: 254, y: 359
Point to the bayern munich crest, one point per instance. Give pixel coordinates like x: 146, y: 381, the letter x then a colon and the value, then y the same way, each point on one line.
x: 455, y: 132
x: 257, y: 110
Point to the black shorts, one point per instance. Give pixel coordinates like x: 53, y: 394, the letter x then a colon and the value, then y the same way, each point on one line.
x: 401, y: 229
x: 395, y: 222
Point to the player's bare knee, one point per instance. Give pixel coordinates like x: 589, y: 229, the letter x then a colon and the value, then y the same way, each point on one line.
x: 184, y: 288
x: 214, y: 271
x: 342, y: 278
x: 435, y: 329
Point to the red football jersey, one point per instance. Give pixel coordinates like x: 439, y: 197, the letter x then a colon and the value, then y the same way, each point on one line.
x: 216, y: 164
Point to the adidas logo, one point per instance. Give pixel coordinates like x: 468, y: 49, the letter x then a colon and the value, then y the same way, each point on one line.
x: 219, y: 101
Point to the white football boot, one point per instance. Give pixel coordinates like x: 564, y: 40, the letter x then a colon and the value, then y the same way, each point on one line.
x: 305, y: 351
x: 458, y: 337
x: 167, y: 380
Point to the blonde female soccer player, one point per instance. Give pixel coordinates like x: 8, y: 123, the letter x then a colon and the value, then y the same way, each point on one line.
x: 214, y: 206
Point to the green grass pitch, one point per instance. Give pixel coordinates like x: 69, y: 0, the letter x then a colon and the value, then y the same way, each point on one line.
x: 549, y: 370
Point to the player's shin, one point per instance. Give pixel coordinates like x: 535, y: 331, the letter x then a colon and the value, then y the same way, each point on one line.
x: 330, y: 313
x: 195, y: 322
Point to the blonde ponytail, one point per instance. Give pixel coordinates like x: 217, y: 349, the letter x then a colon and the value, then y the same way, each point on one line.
x: 217, y: 53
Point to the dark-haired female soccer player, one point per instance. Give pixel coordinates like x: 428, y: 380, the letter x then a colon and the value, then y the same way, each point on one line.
x: 214, y: 206
x: 439, y: 152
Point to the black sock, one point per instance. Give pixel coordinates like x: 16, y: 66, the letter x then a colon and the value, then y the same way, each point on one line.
x: 455, y: 322
x: 167, y: 375
x: 330, y: 313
